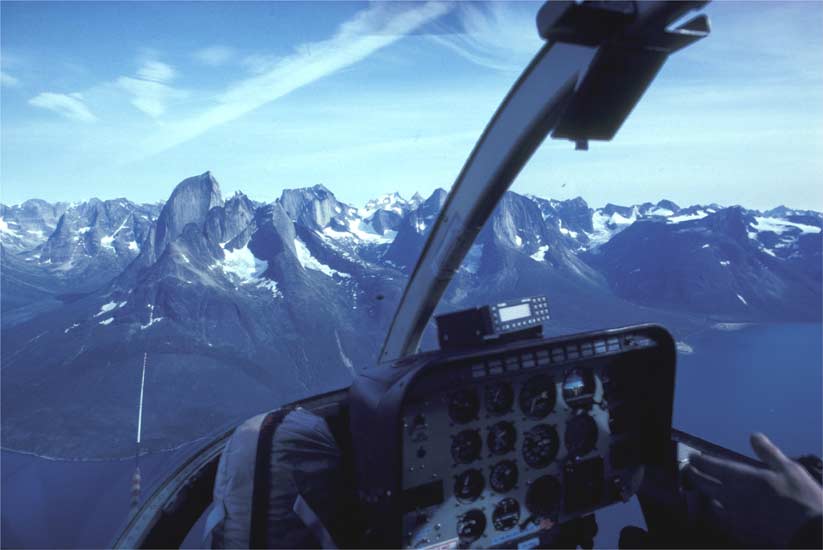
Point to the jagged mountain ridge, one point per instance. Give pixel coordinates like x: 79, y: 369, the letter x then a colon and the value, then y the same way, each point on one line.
x: 273, y: 301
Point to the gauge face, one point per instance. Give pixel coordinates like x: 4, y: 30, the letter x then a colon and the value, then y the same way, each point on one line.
x: 581, y: 435
x: 543, y: 496
x: 466, y: 446
x: 469, y: 485
x: 538, y: 396
x: 463, y: 405
x: 470, y: 526
x: 540, y: 446
x: 506, y: 514
x: 499, y: 398
x: 501, y: 438
x: 579, y: 388
x: 503, y: 476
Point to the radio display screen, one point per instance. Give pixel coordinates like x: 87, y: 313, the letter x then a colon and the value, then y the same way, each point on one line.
x: 514, y: 312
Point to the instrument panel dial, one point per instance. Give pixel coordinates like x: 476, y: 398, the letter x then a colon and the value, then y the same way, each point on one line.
x: 502, y: 437
x: 499, y: 398
x: 578, y: 388
x: 471, y: 525
x: 469, y: 485
x: 463, y: 405
x: 540, y: 445
x: 543, y: 496
x: 538, y: 397
x: 466, y: 446
x: 506, y: 514
x: 503, y: 476
x: 581, y: 435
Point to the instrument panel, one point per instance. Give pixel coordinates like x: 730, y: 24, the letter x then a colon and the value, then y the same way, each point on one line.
x: 498, y: 448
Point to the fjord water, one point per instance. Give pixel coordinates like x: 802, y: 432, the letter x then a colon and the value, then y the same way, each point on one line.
x: 755, y: 378
x: 765, y: 378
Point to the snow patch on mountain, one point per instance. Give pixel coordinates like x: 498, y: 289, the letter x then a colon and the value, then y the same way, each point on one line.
x: 606, y: 226
x: 105, y: 308
x: 565, y: 231
x: 699, y: 215
x: 304, y: 256
x: 271, y: 286
x: 4, y: 228
x: 364, y: 231
x: 778, y: 225
x: 391, y: 202
x: 241, y: 263
x: 540, y: 255
x: 152, y: 321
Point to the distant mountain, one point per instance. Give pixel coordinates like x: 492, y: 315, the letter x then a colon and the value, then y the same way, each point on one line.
x: 241, y: 305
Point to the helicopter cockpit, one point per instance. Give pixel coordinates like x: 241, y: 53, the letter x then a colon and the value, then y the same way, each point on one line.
x: 504, y: 437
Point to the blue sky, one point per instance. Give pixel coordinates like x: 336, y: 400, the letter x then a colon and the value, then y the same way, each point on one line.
x: 127, y: 99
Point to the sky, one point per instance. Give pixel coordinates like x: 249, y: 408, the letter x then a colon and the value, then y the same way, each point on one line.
x: 113, y: 99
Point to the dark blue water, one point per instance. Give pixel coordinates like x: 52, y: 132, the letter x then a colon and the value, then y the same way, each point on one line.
x: 761, y: 378
x: 765, y: 378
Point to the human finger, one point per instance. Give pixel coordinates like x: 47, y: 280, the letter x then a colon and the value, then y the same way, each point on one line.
x: 768, y: 452
x: 723, y: 470
x: 705, y: 484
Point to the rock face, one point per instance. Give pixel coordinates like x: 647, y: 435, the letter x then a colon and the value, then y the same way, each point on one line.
x: 189, y: 203
x: 242, y: 306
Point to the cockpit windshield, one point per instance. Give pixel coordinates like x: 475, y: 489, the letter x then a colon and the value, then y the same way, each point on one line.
x: 212, y: 209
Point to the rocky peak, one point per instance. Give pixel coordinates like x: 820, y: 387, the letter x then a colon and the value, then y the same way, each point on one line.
x: 576, y: 214
x: 733, y: 221
x: 58, y: 248
x: 313, y: 207
x: 668, y: 205
x: 190, y: 202
x: 224, y: 223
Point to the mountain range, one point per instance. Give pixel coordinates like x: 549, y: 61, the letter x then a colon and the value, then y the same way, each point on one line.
x: 241, y: 305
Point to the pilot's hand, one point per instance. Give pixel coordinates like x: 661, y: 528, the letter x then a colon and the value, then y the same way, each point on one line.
x: 758, y: 507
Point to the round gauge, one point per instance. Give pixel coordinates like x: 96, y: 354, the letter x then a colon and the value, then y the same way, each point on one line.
x: 501, y: 438
x: 543, y: 496
x: 463, y: 405
x: 581, y: 435
x: 469, y: 485
x: 579, y: 388
x: 466, y: 446
x: 538, y: 396
x: 540, y: 446
x: 503, y: 476
x: 470, y: 526
x: 506, y: 514
x: 499, y: 398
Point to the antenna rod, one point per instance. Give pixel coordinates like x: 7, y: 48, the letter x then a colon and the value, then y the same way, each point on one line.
x: 136, y: 478
x: 140, y: 408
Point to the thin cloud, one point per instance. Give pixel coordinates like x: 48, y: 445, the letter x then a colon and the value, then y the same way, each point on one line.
x: 150, y: 91
x: 152, y: 98
x: 214, y: 56
x: 68, y: 105
x: 7, y: 80
x: 156, y: 71
x: 500, y: 36
x: 367, y: 32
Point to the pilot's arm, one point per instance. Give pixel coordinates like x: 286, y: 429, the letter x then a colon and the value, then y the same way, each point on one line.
x: 779, y: 506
